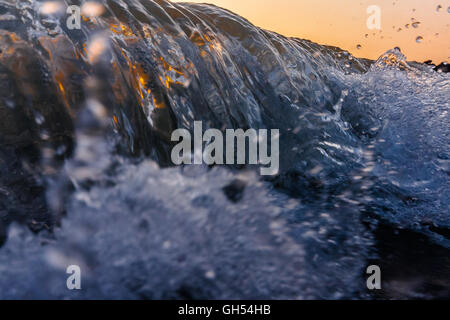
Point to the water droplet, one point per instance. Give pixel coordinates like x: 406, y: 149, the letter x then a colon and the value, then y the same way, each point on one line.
x: 96, y: 48
x: 10, y: 103
x: 415, y: 24
x: 439, y: 7
x: 358, y: 46
x: 448, y: 9
x: 98, y: 110
x: 367, y: 35
x: 92, y: 9
x: 407, y: 26
x: 51, y: 7
x: 61, y: 150
x: 419, y: 39
x: 44, y: 135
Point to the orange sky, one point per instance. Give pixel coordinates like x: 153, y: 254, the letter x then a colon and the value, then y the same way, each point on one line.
x: 342, y: 23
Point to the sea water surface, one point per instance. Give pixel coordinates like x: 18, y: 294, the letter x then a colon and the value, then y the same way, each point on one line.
x: 86, y: 179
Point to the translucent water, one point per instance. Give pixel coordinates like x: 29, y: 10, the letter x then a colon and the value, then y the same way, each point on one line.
x: 89, y: 115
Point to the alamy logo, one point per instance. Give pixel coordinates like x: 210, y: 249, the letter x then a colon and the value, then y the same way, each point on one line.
x: 374, y: 20
x: 235, y: 145
x: 374, y: 281
x: 74, y: 280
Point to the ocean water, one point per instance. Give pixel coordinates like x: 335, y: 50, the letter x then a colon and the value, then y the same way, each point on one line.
x: 85, y: 174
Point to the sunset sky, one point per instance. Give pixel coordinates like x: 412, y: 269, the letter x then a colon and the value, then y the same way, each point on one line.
x: 342, y: 23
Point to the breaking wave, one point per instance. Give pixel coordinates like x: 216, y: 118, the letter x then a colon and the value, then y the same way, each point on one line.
x: 85, y: 123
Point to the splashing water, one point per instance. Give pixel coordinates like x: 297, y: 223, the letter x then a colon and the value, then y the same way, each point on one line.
x: 89, y: 114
